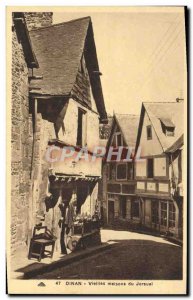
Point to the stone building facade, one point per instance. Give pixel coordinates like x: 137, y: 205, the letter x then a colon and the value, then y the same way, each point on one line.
x: 21, y: 132
x: 57, y: 102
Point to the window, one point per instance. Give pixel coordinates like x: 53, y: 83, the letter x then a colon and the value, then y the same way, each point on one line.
x: 155, y: 212
x: 150, y: 168
x: 81, y: 128
x: 164, y: 214
x: 135, y: 209
x: 169, y: 131
x: 130, y: 170
x: 121, y: 171
x: 117, y: 140
x: 149, y: 132
x: 172, y: 214
x: 168, y: 126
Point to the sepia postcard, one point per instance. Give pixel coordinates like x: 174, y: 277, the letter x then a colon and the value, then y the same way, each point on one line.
x: 97, y: 150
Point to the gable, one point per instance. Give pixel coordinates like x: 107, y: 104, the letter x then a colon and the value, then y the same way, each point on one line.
x: 127, y: 125
x: 117, y: 138
x: 59, y: 49
x: 148, y: 147
x: 172, y: 114
x: 167, y: 121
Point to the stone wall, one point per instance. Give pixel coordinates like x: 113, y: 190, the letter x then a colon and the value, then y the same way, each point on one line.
x: 21, y: 142
x: 23, y: 210
x: 38, y: 19
x: 29, y: 167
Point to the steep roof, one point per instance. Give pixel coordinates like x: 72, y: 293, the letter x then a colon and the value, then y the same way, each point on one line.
x: 59, y: 49
x: 176, y: 145
x: 159, y: 112
x: 128, y: 125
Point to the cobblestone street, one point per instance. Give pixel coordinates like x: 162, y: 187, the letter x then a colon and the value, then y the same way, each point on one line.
x: 132, y: 256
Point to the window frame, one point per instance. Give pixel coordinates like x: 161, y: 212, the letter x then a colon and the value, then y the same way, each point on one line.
x: 148, y: 159
x: 167, y: 130
x: 149, y: 127
x: 115, y: 139
x: 165, y: 221
x: 132, y: 170
x: 170, y: 132
x: 173, y: 213
x: 83, y: 115
x: 119, y: 164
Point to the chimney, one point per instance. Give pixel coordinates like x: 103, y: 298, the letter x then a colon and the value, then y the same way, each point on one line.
x: 36, y: 20
x: 179, y: 100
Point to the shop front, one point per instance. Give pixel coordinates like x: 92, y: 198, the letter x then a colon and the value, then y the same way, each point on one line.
x: 79, y: 191
x: 161, y: 215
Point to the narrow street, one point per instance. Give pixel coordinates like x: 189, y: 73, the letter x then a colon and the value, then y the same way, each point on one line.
x: 131, y: 256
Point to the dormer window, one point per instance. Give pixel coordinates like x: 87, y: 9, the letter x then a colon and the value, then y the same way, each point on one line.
x: 168, y: 127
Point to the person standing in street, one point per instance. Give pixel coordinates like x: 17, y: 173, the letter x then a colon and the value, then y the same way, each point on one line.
x: 66, y: 222
x: 63, y: 207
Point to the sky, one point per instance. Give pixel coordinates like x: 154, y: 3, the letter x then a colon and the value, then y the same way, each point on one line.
x: 141, y: 54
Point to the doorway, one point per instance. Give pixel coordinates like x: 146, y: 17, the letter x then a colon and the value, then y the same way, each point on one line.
x: 111, y: 211
x: 155, y: 213
x: 122, y: 204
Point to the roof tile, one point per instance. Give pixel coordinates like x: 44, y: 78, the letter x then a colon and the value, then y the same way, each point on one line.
x: 129, y: 125
x: 58, y: 50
